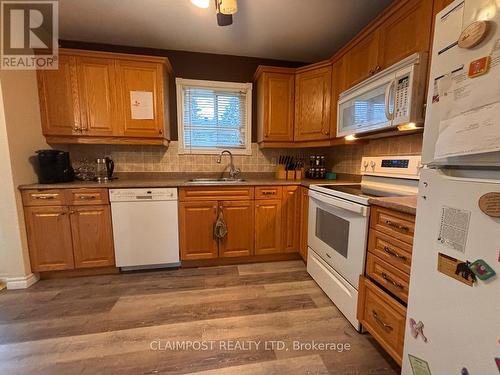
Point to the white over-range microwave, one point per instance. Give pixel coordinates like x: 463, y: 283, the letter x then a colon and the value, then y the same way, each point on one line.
x: 390, y: 100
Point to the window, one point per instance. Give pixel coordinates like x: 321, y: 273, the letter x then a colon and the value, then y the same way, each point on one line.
x: 213, y: 116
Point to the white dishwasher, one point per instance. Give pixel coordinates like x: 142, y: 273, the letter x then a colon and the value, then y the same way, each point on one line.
x: 145, y: 227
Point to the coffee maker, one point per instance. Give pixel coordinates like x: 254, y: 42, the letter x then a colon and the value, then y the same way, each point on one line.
x: 54, y: 166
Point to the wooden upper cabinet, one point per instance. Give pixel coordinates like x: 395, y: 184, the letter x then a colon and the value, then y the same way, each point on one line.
x: 239, y: 219
x: 361, y: 60
x: 97, y: 94
x: 58, y: 96
x: 275, y: 104
x: 405, y: 32
x: 144, y: 79
x: 88, y: 99
x: 49, y: 238
x: 338, y: 78
x: 92, y: 236
x: 267, y: 226
x: 312, y: 103
x: 290, y: 218
x: 196, y: 230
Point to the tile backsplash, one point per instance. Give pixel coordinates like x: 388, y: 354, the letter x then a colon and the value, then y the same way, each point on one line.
x: 340, y: 159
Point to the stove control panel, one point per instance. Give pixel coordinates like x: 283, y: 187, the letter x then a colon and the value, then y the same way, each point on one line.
x: 392, y: 166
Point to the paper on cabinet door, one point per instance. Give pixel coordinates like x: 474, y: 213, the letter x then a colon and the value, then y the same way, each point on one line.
x: 141, y: 105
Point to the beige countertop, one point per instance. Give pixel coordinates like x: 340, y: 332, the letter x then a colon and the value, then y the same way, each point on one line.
x: 406, y: 204
x: 152, y: 181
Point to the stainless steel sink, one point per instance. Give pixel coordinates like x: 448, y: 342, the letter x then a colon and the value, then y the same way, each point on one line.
x: 215, y: 181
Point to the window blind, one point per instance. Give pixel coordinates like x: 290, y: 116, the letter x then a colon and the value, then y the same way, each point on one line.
x: 214, y: 118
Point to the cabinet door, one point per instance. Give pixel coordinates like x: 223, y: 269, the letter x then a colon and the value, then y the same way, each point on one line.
x: 407, y: 31
x: 97, y: 89
x: 361, y: 60
x: 338, y: 74
x: 196, y: 226
x: 312, y: 104
x: 239, y: 218
x: 141, y: 82
x: 49, y: 238
x: 267, y: 226
x: 304, y: 219
x: 279, y: 103
x: 58, y: 96
x: 92, y: 236
x: 290, y: 209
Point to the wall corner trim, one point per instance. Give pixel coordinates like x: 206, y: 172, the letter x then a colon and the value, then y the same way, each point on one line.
x: 22, y: 282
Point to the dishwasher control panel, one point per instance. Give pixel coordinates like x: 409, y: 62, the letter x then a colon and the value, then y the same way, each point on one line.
x: 142, y: 194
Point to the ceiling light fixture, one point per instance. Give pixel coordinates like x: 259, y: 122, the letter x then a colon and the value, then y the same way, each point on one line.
x: 201, y: 3
x: 228, y: 6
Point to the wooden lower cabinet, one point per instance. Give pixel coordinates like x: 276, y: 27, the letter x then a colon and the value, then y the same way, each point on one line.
x: 239, y: 219
x: 383, y: 317
x: 70, y: 233
x: 304, y: 218
x: 92, y: 236
x: 290, y: 219
x: 196, y: 236
x: 49, y: 238
x: 267, y: 226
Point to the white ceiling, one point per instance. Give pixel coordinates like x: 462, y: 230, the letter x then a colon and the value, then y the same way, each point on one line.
x: 297, y: 30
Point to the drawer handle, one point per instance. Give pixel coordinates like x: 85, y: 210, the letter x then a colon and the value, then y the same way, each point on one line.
x: 386, y: 326
x: 397, y: 226
x: 87, y: 197
x: 328, y: 255
x: 390, y: 280
x: 268, y: 193
x: 394, y: 254
x: 44, y: 196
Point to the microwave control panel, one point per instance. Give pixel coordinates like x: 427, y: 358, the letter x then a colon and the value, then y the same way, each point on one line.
x: 402, y: 97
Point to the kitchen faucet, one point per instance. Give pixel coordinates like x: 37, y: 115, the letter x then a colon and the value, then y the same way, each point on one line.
x: 233, y: 171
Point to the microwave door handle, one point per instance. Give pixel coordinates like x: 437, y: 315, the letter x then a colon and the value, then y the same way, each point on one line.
x: 388, y: 91
x: 339, y: 203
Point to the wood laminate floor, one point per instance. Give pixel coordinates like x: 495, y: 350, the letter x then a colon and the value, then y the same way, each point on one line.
x: 249, y: 318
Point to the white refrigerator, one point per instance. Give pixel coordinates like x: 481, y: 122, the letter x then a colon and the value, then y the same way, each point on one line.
x: 453, y: 315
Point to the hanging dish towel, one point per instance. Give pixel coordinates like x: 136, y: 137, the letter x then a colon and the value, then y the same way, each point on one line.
x: 220, y: 227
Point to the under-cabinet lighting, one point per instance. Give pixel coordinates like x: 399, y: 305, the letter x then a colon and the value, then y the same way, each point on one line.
x: 201, y: 3
x: 350, y: 137
x: 408, y: 127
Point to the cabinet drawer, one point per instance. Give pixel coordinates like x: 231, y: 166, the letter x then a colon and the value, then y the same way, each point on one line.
x: 391, y: 250
x: 394, y: 280
x: 383, y: 317
x: 49, y: 197
x: 216, y: 193
x: 81, y: 197
x: 396, y: 224
x: 268, y: 192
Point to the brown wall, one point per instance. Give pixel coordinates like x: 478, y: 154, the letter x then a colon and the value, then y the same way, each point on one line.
x: 195, y: 65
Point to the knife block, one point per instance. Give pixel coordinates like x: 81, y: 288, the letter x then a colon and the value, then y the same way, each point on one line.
x: 280, y: 172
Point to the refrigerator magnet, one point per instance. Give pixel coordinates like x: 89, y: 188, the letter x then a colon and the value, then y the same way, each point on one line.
x: 464, y: 371
x: 419, y: 366
x: 482, y: 270
x: 474, y: 34
x: 417, y: 329
x: 456, y: 269
x: 489, y: 203
x: 497, y: 361
x: 479, y: 67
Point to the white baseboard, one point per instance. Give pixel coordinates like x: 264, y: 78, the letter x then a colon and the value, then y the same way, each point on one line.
x: 22, y: 282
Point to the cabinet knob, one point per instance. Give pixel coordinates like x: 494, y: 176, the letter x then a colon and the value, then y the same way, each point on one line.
x: 326, y: 132
x: 160, y: 132
x: 378, y: 68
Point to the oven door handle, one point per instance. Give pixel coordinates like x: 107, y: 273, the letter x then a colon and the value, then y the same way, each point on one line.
x: 339, y: 203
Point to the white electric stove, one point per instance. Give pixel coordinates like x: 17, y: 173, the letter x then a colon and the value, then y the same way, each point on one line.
x: 338, y: 225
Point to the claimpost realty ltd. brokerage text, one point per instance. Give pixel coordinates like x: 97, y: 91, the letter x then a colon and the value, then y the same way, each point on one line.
x: 248, y: 345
